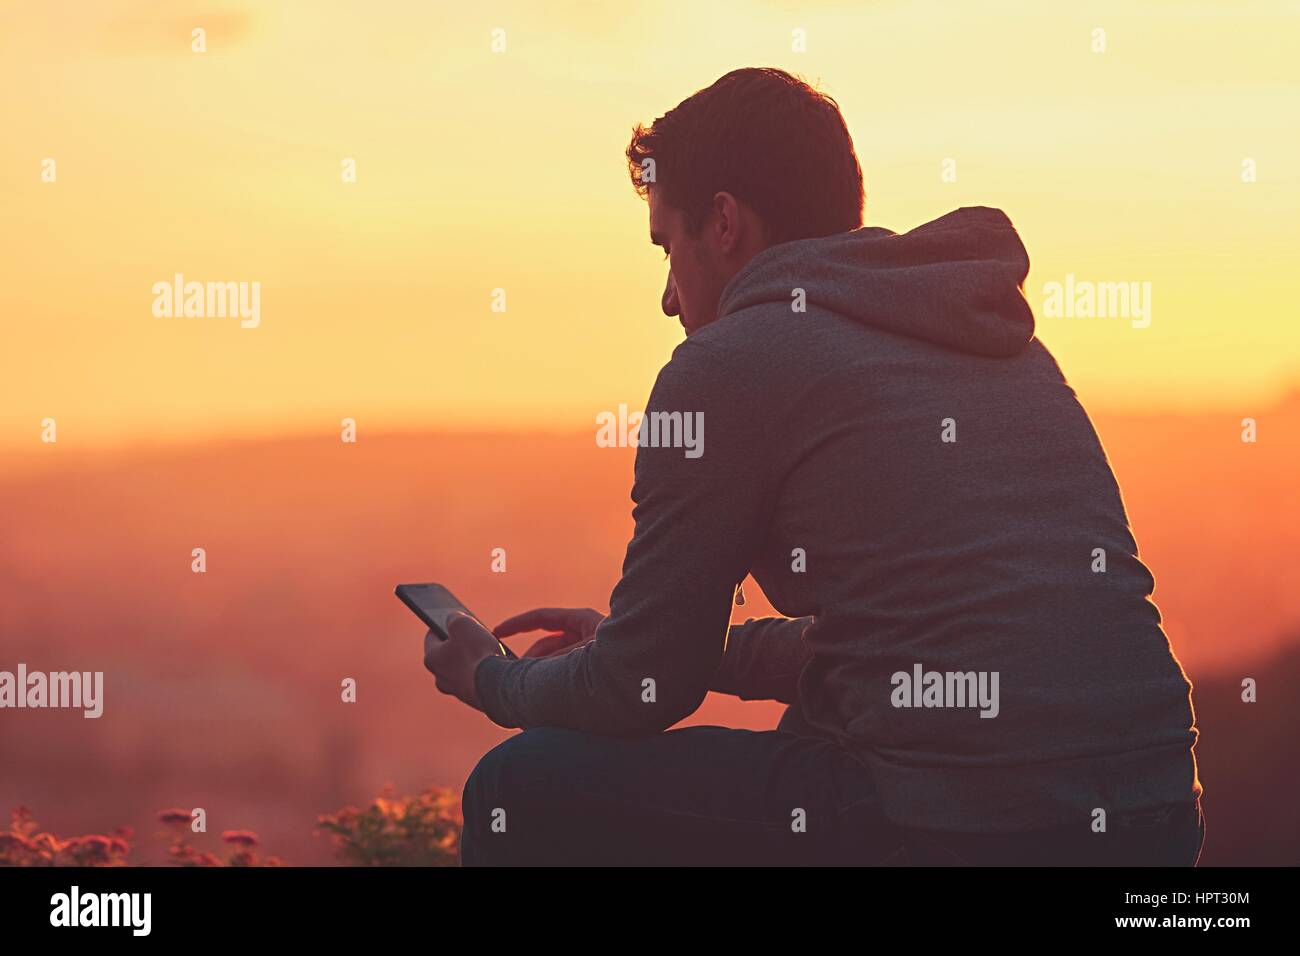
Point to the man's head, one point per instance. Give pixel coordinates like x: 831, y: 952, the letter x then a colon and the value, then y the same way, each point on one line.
x: 756, y: 159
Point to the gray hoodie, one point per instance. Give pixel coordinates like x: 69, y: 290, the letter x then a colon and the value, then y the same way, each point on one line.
x: 903, y: 469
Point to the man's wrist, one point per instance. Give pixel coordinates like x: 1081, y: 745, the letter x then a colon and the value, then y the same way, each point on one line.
x: 487, y: 675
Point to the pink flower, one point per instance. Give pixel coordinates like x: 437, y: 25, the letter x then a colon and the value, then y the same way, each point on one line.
x: 240, y: 837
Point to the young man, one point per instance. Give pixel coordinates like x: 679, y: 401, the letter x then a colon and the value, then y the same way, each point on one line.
x: 974, y: 668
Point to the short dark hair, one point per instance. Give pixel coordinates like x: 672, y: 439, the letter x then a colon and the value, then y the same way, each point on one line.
x: 764, y: 136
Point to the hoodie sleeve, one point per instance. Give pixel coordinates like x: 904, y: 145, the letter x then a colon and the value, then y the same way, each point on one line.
x: 764, y: 659
x: 700, y: 512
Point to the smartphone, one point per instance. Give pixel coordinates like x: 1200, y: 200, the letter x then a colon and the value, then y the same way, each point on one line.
x: 432, y: 603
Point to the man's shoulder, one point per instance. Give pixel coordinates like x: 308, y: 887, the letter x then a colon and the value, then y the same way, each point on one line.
x: 728, y: 361
x: 752, y: 327
x: 767, y: 340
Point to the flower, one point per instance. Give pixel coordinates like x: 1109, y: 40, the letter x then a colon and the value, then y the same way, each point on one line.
x: 48, y: 842
x: 89, y: 850
x: 15, y: 843
x: 240, y: 837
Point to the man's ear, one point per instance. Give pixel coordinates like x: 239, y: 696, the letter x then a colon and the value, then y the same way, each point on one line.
x: 728, y: 222
x: 740, y: 231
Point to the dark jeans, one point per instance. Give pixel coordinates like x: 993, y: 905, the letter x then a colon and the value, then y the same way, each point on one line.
x: 718, y: 796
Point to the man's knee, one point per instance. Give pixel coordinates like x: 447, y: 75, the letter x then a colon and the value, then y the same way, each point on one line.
x: 499, y: 783
x: 519, y: 760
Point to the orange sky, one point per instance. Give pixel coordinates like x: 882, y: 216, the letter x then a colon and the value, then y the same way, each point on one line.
x: 478, y: 170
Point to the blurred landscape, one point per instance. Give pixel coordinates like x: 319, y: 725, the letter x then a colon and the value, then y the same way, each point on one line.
x: 481, y: 169
x: 222, y: 690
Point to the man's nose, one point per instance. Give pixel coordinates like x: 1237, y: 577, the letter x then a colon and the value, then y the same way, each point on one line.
x: 670, y: 304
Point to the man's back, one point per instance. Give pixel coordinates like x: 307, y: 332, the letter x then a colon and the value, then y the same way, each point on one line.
x: 971, y: 657
x: 939, y: 510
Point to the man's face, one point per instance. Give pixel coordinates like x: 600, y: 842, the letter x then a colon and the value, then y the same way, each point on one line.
x: 697, y: 266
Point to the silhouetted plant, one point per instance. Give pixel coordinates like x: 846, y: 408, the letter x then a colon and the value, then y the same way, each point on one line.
x: 243, y: 844
x: 420, y: 830
x: 25, y: 844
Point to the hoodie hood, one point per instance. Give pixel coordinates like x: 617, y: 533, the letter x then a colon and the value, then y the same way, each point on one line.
x: 956, y: 282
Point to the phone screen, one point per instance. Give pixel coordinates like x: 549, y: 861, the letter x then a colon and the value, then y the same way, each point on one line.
x: 433, y: 604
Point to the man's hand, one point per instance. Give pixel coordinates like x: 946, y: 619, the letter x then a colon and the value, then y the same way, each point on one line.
x: 575, y: 626
x: 452, y: 662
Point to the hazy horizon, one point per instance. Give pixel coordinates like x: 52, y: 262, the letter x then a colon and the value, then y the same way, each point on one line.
x: 478, y: 170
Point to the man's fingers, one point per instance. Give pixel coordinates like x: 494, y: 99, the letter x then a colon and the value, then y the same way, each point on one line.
x: 432, y: 648
x: 460, y: 623
x: 538, y: 619
x: 549, y: 644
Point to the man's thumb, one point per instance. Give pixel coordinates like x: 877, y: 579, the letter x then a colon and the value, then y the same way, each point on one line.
x: 459, y: 623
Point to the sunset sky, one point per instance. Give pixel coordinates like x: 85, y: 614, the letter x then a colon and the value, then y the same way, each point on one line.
x: 478, y: 170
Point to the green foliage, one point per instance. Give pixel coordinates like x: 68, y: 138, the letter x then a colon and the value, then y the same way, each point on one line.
x: 420, y: 830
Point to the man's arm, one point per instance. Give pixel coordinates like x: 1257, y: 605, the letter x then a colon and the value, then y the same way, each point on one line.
x: 764, y: 659
x: 698, y: 524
